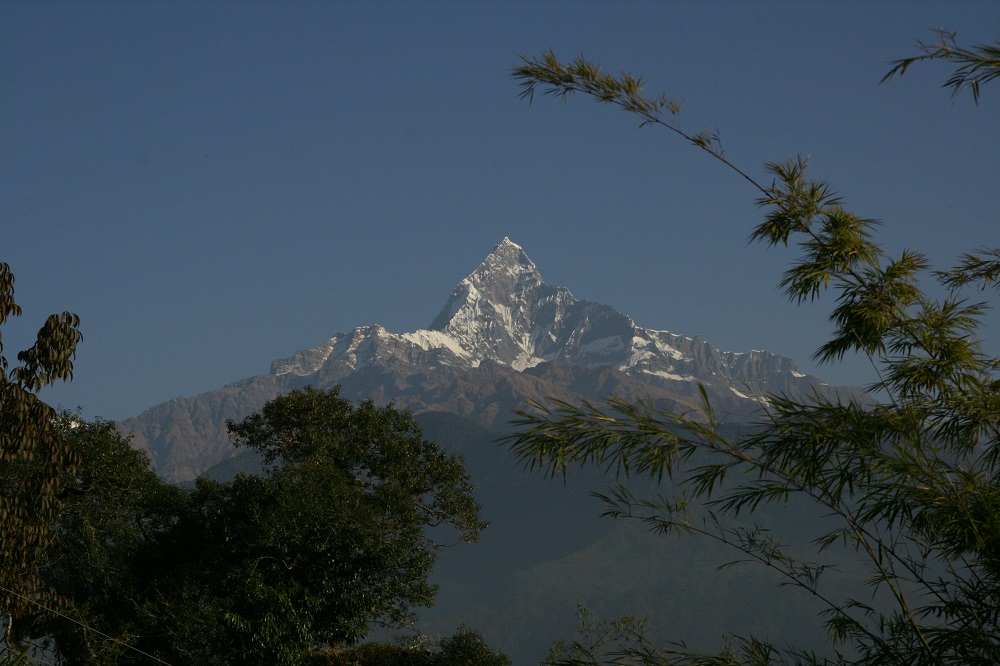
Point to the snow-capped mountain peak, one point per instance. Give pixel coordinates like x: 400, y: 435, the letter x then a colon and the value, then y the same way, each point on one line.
x: 507, y: 260
x: 503, y: 278
x: 489, y: 313
x: 503, y: 312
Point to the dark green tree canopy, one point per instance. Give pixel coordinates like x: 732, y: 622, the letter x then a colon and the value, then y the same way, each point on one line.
x: 115, y: 510
x: 378, y: 450
x: 338, y: 534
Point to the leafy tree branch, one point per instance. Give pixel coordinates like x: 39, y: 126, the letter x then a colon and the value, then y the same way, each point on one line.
x: 974, y: 65
x: 909, y: 475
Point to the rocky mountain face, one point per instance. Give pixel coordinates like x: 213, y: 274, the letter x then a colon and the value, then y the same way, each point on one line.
x: 504, y: 337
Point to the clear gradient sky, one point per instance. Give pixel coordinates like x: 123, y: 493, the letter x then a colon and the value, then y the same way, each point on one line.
x: 212, y: 185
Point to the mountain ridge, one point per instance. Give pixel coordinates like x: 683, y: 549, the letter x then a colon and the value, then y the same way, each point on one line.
x: 503, y: 339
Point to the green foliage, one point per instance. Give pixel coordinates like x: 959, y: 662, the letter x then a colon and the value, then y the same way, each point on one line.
x: 103, y: 560
x: 333, y: 538
x: 10, y: 657
x: 465, y: 647
x: 974, y: 66
x: 373, y: 654
x: 378, y: 450
x: 625, y: 640
x: 909, y: 478
x: 623, y: 91
x: 32, y: 459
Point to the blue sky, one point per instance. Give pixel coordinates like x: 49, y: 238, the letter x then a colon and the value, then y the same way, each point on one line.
x: 211, y: 186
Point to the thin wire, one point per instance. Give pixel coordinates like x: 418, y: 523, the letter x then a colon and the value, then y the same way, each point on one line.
x: 75, y: 621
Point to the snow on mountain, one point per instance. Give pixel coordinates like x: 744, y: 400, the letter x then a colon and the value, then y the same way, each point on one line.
x: 506, y: 313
